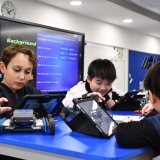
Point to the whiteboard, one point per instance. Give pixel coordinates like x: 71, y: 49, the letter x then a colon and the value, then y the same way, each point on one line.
x: 94, y: 51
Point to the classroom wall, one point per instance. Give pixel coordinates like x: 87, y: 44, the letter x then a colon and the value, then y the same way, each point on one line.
x: 96, y: 32
x: 116, y: 55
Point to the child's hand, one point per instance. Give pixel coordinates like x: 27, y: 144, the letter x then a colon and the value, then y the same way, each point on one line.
x: 110, y: 103
x: 101, y: 98
x: 4, y: 109
x: 147, y: 108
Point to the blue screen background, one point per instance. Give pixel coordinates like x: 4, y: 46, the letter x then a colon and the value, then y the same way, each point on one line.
x: 57, y: 56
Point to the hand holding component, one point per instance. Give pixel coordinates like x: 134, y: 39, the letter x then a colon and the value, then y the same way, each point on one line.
x: 4, y: 109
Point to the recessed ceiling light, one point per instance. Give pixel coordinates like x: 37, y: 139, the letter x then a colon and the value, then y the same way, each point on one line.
x: 128, y: 20
x: 76, y: 3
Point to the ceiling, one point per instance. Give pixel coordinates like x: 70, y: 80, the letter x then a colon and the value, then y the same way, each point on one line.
x: 145, y: 13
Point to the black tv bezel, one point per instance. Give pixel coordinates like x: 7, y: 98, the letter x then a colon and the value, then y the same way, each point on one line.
x: 81, y: 56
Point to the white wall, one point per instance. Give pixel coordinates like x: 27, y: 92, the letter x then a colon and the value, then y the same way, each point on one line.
x: 116, y: 55
x: 96, y: 32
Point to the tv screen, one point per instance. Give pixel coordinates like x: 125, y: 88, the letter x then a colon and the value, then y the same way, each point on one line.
x: 59, y: 53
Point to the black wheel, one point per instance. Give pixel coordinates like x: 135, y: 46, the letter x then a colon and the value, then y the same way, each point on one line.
x: 51, y: 126
x: 64, y: 113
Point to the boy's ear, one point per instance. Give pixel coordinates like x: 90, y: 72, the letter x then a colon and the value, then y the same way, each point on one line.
x: 153, y: 97
x: 2, y: 67
x: 88, y: 79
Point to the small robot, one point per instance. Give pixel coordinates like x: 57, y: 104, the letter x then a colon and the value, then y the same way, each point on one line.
x: 24, y: 120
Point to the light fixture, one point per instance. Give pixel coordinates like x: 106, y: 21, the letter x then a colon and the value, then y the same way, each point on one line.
x: 128, y: 20
x: 76, y: 3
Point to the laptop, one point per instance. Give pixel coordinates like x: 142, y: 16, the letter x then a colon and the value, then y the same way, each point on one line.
x: 90, y: 118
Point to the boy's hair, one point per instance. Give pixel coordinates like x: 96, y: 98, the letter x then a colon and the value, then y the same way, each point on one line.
x: 102, y: 68
x: 12, y: 50
x: 152, y: 79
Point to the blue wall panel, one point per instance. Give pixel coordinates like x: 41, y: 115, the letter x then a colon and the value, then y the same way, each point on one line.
x: 136, y: 73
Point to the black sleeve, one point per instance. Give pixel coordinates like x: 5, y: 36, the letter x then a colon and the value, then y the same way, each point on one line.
x: 137, y: 134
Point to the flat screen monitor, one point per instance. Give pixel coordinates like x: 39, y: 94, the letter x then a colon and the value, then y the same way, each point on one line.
x: 59, y: 53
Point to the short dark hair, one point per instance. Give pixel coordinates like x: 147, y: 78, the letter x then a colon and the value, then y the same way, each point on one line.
x: 12, y: 50
x: 152, y: 79
x: 102, y: 68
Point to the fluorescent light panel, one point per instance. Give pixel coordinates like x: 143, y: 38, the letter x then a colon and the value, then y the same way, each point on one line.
x: 128, y: 20
x: 76, y: 3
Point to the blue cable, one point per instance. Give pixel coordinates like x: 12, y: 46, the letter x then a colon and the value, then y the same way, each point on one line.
x: 2, y: 120
x: 44, y: 125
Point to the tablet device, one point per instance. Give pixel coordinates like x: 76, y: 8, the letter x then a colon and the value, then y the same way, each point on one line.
x: 43, y: 103
x: 101, y: 119
x: 129, y: 102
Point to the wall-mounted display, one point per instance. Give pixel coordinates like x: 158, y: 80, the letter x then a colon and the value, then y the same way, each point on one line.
x: 59, y: 52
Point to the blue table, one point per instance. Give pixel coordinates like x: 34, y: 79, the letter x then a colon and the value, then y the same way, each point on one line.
x: 65, y: 144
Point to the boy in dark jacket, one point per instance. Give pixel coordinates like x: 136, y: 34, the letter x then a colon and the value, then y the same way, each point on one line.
x: 147, y: 131
x: 16, y: 65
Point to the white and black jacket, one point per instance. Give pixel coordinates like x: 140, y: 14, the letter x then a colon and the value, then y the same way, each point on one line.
x: 83, y: 88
